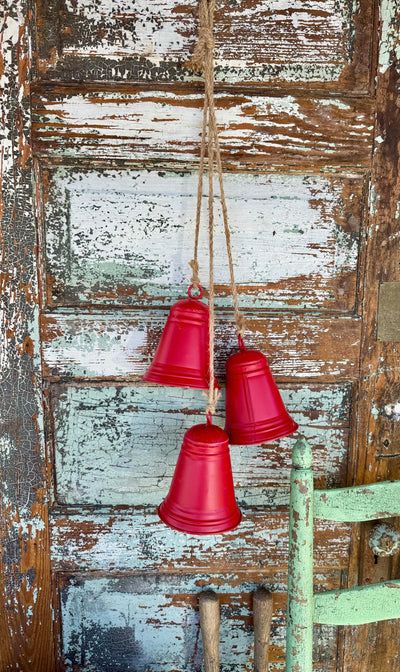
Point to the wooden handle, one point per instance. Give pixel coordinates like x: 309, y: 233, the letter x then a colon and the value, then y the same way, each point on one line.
x: 209, y: 623
x: 262, y: 615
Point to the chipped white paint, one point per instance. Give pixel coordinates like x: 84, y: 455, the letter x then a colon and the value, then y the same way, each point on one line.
x: 392, y: 411
x: 136, y: 540
x: 130, y: 229
x: 119, y: 445
x: 155, y: 621
x: 389, y: 47
x: 146, y: 125
x: 299, y: 346
x: 9, y: 34
x: 249, y: 36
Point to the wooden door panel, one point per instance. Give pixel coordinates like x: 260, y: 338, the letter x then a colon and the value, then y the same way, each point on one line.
x: 307, y: 106
x: 322, y: 44
x: 118, y: 445
x: 125, y: 237
x: 120, y: 344
x: 109, y: 539
x: 140, y: 620
x: 134, y: 123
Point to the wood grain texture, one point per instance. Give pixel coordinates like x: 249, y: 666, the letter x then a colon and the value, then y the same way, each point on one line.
x: 262, y: 132
x: 126, y: 237
x: 151, y: 622
x: 209, y: 611
x: 376, y: 437
x: 324, y: 44
x: 120, y: 344
x: 262, y: 618
x: 135, y: 539
x: 118, y: 445
x: 25, y: 596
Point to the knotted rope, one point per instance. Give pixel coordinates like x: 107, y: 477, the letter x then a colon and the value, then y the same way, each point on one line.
x: 203, y: 60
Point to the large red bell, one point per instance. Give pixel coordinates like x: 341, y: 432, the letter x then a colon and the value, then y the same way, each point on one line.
x: 255, y: 412
x: 201, y: 499
x: 182, y: 355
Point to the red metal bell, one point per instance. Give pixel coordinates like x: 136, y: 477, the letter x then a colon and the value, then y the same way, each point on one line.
x: 255, y: 412
x: 182, y: 355
x: 201, y: 499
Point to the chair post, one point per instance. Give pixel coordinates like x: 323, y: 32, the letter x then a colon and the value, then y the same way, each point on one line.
x: 300, y: 608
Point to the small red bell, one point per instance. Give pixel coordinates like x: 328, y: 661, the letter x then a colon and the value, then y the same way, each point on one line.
x: 255, y: 412
x: 201, y: 499
x: 181, y: 358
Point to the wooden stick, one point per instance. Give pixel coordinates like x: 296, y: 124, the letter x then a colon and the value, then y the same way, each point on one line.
x: 209, y: 623
x: 262, y: 615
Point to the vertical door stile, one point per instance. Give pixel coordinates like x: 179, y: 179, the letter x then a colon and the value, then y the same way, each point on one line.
x: 25, y: 611
x: 375, y: 431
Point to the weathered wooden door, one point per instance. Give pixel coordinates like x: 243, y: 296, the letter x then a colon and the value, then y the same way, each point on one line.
x: 100, y: 126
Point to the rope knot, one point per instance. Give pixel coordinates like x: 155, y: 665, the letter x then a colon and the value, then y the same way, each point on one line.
x: 205, y: 42
x: 212, y: 400
x: 195, y: 280
x: 240, y: 324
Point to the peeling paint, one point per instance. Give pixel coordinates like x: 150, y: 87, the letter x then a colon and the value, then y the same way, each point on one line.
x: 316, y: 347
x: 267, y: 131
x: 256, y: 42
x: 390, y: 43
x: 152, y: 622
x: 127, y: 236
x: 119, y: 444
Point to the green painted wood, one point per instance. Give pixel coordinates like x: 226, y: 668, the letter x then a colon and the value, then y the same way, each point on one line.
x: 300, y: 570
x: 132, y: 245
x: 118, y: 444
x: 355, y: 606
x: 362, y: 502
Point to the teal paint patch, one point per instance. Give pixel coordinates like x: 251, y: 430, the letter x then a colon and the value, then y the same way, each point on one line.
x: 147, y: 622
x: 119, y: 444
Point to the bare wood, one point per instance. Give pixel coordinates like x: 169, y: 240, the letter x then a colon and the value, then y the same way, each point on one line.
x: 376, y: 437
x: 209, y: 623
x: 262, y: 615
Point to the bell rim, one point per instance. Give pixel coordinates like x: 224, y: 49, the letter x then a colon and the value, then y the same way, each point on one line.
x: 253, y: 436
x: 229, y: 524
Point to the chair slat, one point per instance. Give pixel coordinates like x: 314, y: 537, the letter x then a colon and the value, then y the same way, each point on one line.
x: 355, y: 606
x: 361, y: 502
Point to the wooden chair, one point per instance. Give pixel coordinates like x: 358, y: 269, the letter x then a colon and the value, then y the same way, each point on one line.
x: 353, y: 606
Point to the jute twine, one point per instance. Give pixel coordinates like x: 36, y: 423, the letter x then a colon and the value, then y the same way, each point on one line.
x: 203, y: 60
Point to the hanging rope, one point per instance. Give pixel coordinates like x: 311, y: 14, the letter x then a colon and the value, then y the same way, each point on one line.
x: 194, y: 264
x: 200, y: 61
x: 203, y: 60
